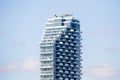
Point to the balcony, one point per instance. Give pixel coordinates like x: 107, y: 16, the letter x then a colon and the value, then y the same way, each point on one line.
x: 46, y: 79
x: 48, y: 66
x: 71, y: 51
x: 60, y: 49
x: 46, y: 59
x: 81, y: 59
x: 81, y: 45
x: 46, y: 73
x: 72, y: 58
x: 66, y: 43
x: 81, y: 73
x: 81, y: 52
x: 81, y: 32
x: 46, y: 52
x: 66, y: 57
x: 77, y: 31
x: 66, y: 50
x: 71, y: 44
x: 81, y: 39
x: 81, y: 66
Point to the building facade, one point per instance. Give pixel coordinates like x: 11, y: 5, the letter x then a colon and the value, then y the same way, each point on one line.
x: 60, y: 52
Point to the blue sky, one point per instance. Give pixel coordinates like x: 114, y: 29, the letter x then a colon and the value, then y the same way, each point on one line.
x: 22, y: 23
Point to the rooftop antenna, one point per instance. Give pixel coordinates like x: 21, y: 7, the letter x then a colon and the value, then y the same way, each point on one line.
x: 55, y: 15
x: 65, y: 15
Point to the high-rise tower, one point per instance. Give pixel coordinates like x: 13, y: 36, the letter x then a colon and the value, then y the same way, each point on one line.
x: 60, y: 53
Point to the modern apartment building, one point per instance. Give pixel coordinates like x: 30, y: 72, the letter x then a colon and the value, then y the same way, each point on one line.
x: 60, y: 53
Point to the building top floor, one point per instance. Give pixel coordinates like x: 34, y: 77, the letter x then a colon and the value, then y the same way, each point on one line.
x: 63, y: 18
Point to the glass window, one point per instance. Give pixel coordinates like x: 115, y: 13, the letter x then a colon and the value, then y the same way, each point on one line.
x: 57, y: 20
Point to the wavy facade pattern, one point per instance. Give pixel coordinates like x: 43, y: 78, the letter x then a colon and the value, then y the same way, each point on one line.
x: 60, y: 53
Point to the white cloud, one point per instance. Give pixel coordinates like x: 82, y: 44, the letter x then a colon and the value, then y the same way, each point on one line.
x: 27, y: 64
x: 30, y: 65
x: 9, y: 67
x: 102, y: 71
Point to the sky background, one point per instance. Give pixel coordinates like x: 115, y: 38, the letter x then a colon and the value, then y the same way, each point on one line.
x: 22, y: 23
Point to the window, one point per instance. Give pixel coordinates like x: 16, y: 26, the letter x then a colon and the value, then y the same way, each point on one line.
x: 60, y: 49
x: 66, y: 78
x: 60, y: 56
x: 60, y: 63
x: 66, y: 36
x: 60, y: 70
x: 61, y: 42
x: 72, y: 30
x: 66, y: 64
